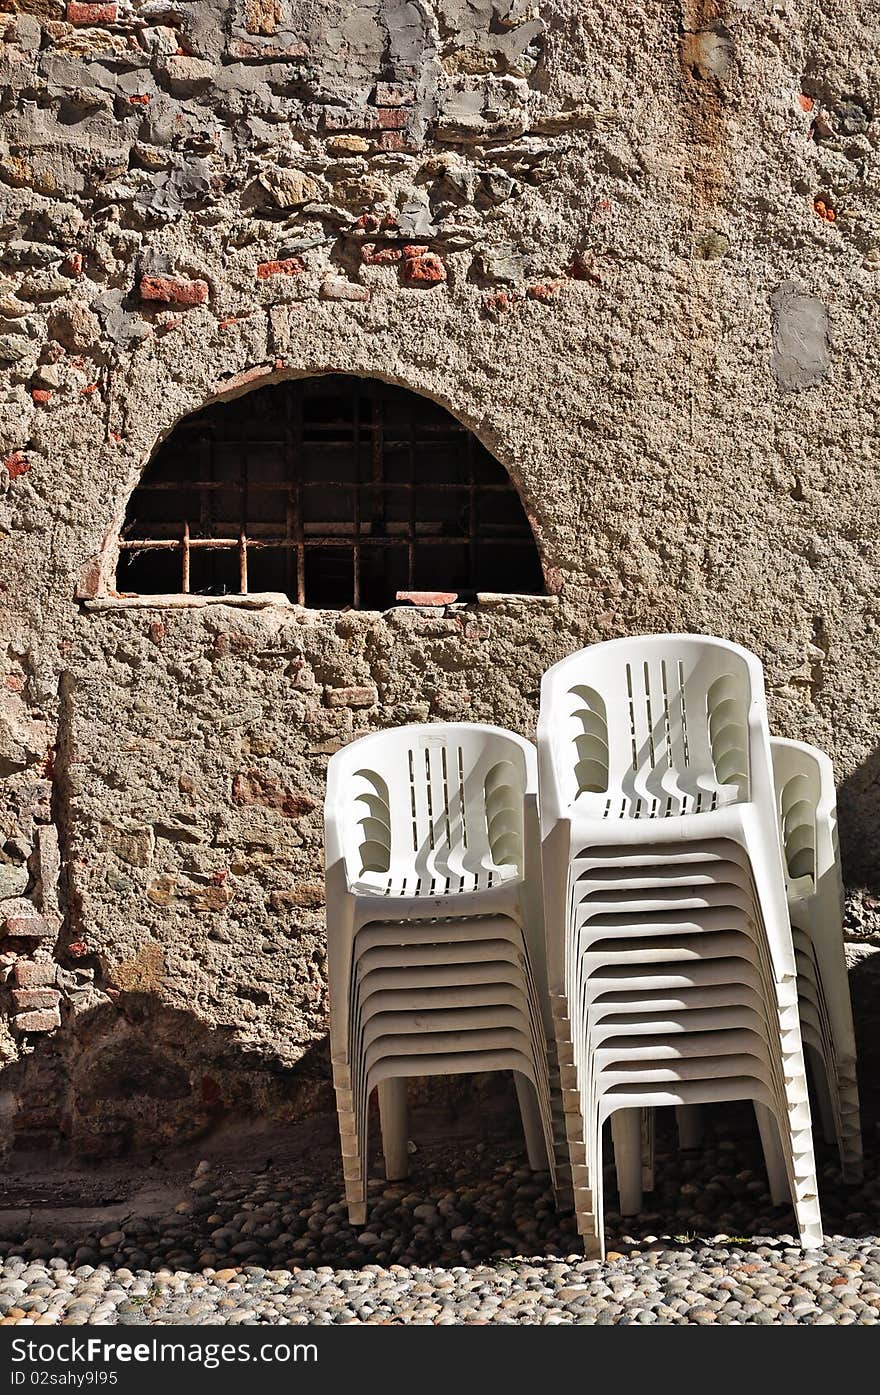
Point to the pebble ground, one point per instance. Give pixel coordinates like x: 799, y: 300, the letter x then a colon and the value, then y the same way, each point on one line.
x: 471, y: 1237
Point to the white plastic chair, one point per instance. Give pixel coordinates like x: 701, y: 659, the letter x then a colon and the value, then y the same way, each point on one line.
x: 434, y: 911
x: 659, y: 835
x: 731, y: 954
x: 807, y: 808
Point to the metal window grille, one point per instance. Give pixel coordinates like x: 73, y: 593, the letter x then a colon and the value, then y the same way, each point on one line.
x: 339, y: 491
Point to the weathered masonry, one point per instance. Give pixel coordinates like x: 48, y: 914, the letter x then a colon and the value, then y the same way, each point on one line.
x: 559, y: 313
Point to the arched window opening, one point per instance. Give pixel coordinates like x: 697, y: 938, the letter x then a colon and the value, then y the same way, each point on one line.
x: 338, y: 491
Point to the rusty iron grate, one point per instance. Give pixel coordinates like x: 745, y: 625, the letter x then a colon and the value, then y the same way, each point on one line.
x: 339, y: 491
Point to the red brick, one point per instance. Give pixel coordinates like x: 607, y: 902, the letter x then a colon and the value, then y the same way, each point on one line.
x: 79, y: 13
x: 211, y: 1091
x: 28, y: 927
x: 41, y: 396
x: 24, y: 998
x: 140, y: 99
x: 394, y: 94
x: 289, y: 266
x: 258, y: 787
x: 73, y: 265
x: 422, y: 267
x: 372, y: 255
x: 372, y: 223
x: 88, y: 582
x: 41, y: 1020
x: 238, y: 48
x: 169, y: 290
x: 427, y: 597
x: 497, y: 302
x: 391, y: 118
x: 581, y: 268
x: 17, y: 464
x: 250, y: 375
x: 27, y: 974
x: 543, y: 293
x: 366, y: 696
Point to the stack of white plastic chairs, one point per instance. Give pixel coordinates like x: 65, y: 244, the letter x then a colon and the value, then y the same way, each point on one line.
x: 685, y: 947
x: 673, y: 974
x: 806, y: 803
x: 435, y: 929
x: 807, y: 812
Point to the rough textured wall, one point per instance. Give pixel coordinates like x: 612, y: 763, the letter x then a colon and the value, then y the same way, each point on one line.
x: 635, y: 248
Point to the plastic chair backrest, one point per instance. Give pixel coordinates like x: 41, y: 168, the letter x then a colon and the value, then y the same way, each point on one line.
x: 797, y: 776
x: 433, y: 809
x: 650, y: 727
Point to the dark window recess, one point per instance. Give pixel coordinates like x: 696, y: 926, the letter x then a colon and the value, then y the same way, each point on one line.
x: 338, y: 491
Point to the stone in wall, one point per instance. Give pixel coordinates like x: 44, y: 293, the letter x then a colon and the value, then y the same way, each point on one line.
x: 801, y: 351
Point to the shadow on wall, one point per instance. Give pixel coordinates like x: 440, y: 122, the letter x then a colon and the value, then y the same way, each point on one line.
x: 864, y: 981
x: 142, y: 1077
x: 858, y: 806
x: 139, y: 1075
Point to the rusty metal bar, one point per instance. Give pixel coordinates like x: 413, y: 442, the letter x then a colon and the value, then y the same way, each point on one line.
x: 411, y: 539
x: 290, y: 501
x: 356, y: 504
x: 206, y: 482
x: 316, y: 540
x: 242, y: 562
x: 244, y: 472
x: 472, y: 512
x: 185, y: 560
x: 313, y: 541
x: 275, y: 486
x: 298, y: 502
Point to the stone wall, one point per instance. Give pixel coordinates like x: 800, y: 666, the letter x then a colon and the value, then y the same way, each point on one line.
x: 634, y: 248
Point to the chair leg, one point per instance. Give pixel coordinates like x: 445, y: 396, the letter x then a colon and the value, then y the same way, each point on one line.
x: 798, y: 1141
x: 393, y: 1122
x: 649, y: 1129
x: 774, y: 1157
x: 689, y: 1120
x: 357, y: 1208
x: 536, y: 1147
x: 851, y: 1129
x: 626, y: 1135
x: 822, y: 1091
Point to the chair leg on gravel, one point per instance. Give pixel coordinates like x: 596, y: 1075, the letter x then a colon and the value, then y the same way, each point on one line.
x: 626, y: 1135
x: 774, y: 1157
x: 527, y: 1098
x: 689, y: 1121
x: 393, y: 1121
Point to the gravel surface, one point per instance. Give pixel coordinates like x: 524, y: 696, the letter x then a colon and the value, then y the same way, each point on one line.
x: 472, y: 1237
